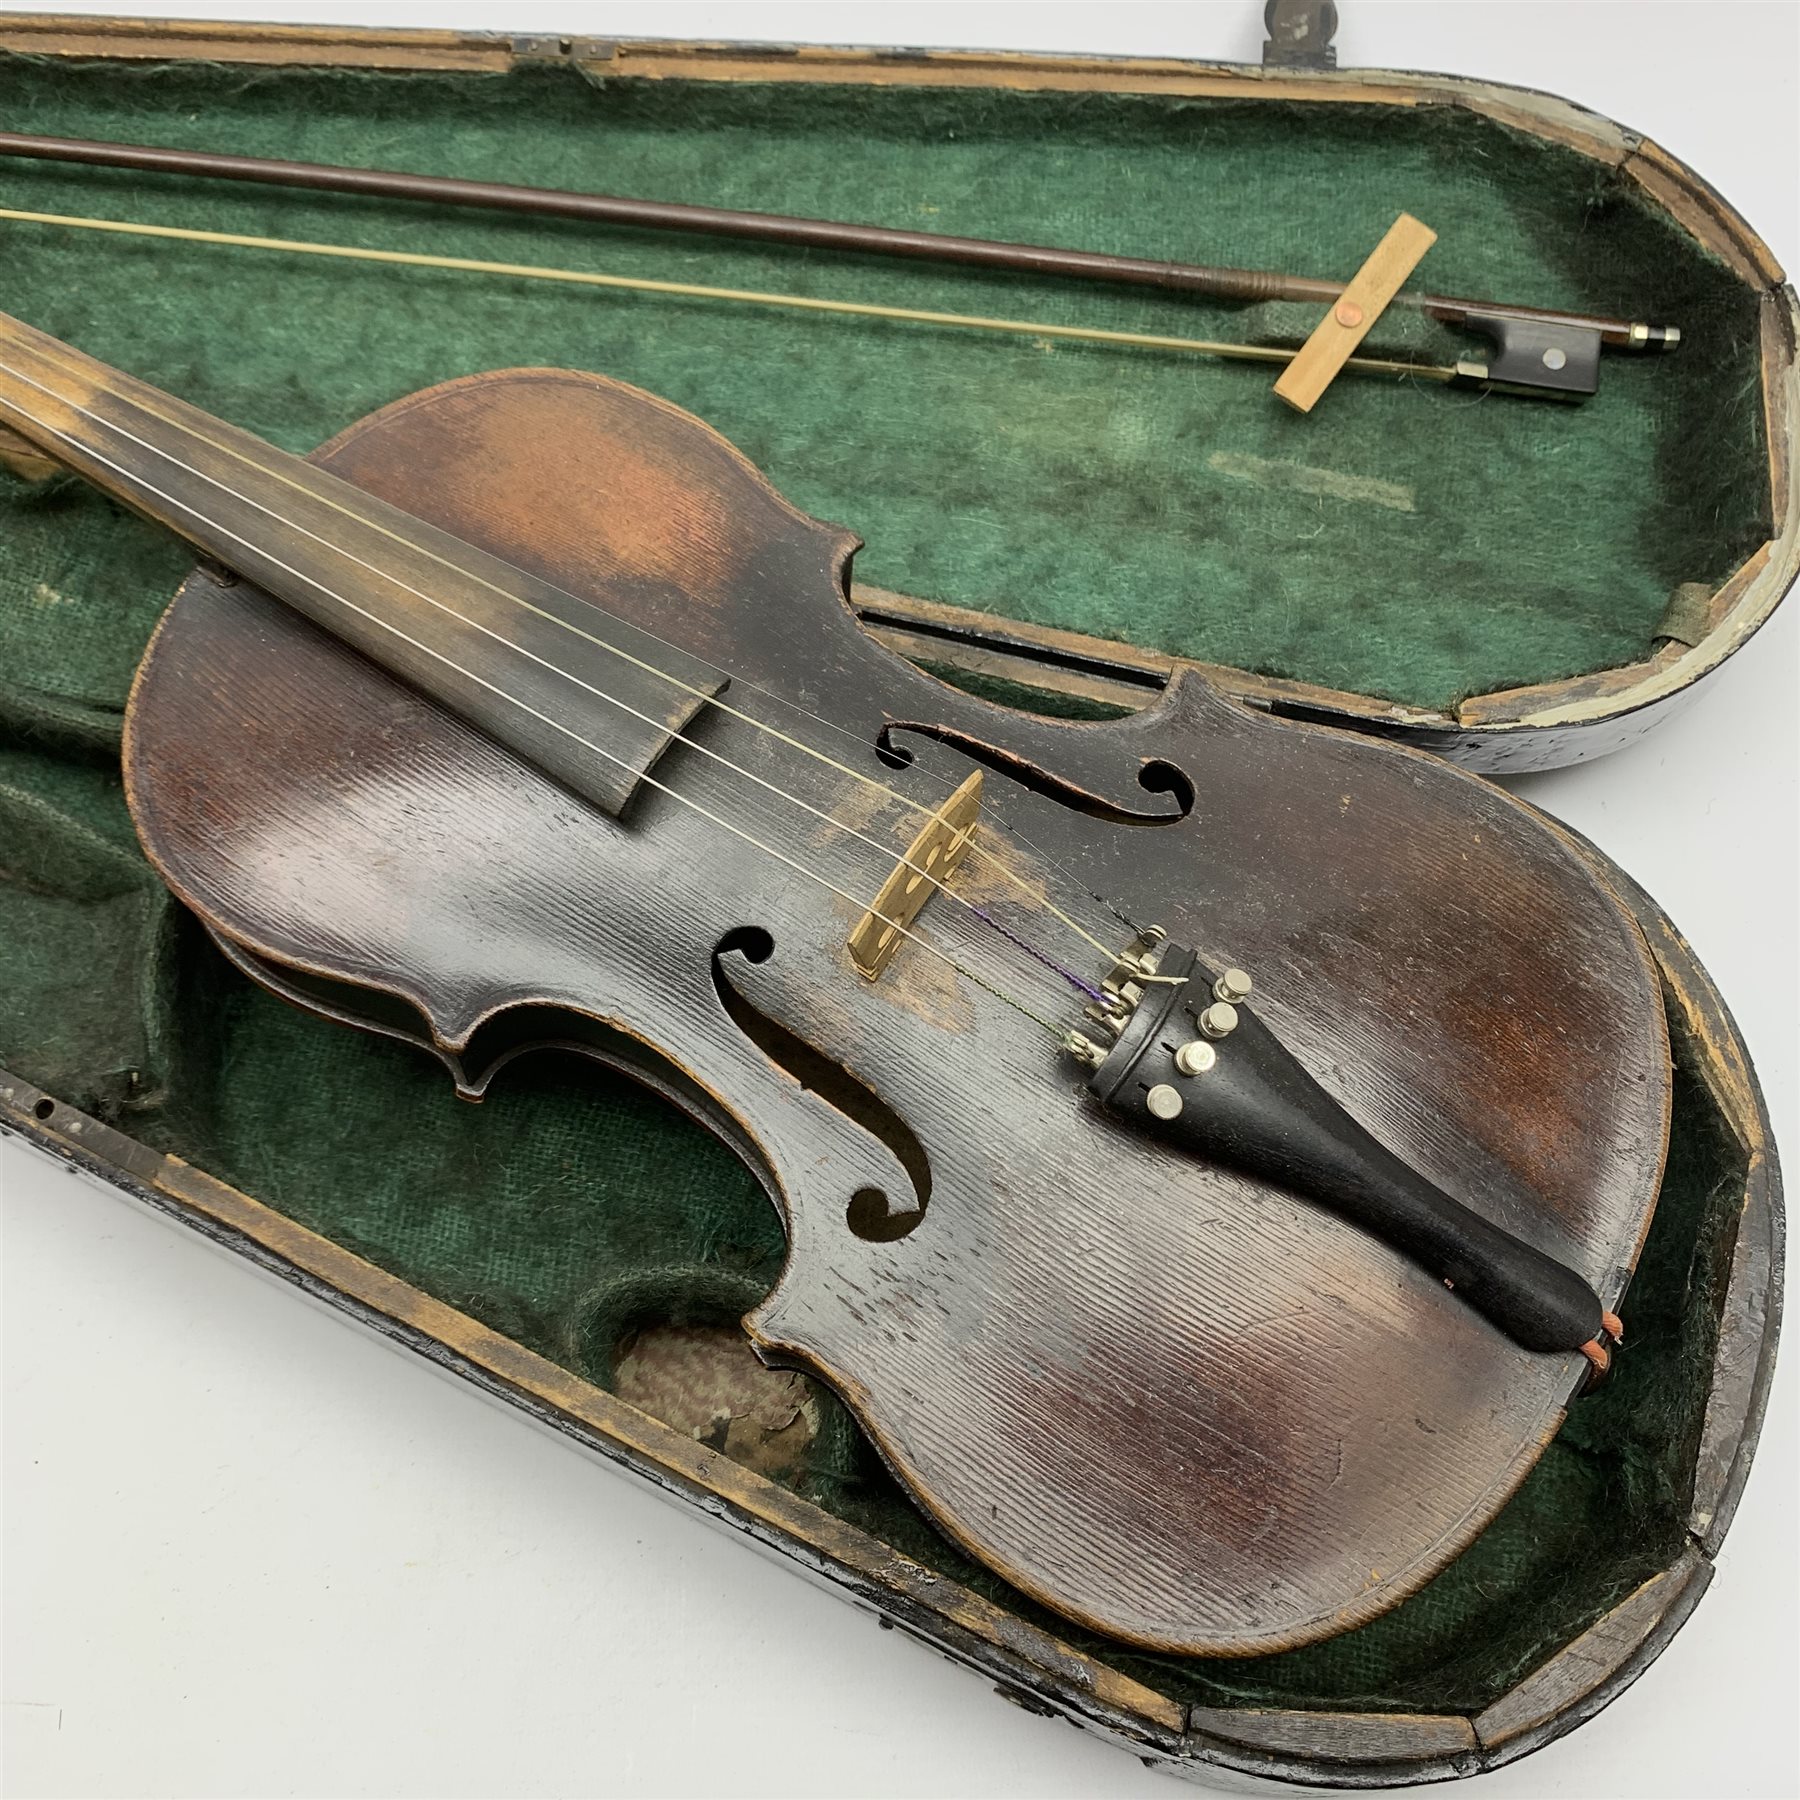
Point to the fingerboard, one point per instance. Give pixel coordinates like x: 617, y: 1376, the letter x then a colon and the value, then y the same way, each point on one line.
x: 581, y: 694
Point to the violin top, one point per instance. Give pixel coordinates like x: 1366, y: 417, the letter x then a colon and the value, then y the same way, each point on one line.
x: 1215, y: 1310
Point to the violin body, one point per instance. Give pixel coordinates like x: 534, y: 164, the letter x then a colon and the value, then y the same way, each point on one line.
x: 1170, y: 1401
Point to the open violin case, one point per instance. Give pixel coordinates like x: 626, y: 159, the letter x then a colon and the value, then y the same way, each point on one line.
x: 1054, y: 524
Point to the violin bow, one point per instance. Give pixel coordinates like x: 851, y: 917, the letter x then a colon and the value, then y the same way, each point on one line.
x: 1535, y: 351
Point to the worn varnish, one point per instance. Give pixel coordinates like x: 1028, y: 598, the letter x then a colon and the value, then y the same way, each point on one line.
x: 1178, y: 1407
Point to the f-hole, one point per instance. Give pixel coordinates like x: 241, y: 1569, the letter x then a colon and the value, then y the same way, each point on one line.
x: 870, y: 1213
x: 1155, y: 776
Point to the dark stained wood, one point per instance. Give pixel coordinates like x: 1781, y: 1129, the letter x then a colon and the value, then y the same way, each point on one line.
x: 1333, y: 1737
x: 527, y: 663
x: 952, y: 1618
x: 1025, y: 1660
x: 1605, y: 1657
x: 1489, y: 733
x: 1743, y: 1365
x: 944, y: 1615
x: 1186, y: 1411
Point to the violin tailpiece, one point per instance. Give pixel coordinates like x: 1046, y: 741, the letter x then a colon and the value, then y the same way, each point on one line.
x: 1189, y: 1061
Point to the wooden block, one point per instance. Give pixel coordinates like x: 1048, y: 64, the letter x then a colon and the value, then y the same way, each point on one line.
x: 1318, y: 360
x: 1601, y: 1656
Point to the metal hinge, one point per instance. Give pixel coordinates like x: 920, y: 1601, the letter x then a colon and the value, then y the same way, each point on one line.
x: 1300, y: 34
x: 542, y: 47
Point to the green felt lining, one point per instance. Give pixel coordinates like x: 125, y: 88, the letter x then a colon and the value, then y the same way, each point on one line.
x: 1405, y: 542
x: 1107, y: 493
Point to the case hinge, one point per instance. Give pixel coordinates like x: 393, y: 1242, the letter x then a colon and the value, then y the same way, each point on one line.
x: 1300, y: 34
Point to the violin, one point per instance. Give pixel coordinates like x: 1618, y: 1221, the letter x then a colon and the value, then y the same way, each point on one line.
x: 1212, y: 1148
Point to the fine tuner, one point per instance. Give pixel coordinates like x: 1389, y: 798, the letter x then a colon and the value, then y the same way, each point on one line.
x: 1122, y: 990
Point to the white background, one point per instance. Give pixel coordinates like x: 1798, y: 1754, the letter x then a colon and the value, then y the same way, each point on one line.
x: 251, y: 1551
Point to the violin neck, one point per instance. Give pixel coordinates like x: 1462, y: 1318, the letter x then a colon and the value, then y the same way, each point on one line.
x: 579, y: 693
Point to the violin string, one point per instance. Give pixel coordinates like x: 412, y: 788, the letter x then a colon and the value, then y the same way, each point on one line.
x: 1080, y: 983
x: 1035, y: 894
x: 678, y: 737
x: 1039, y: 896
x: 650, y: 668
x: 512, y: 699
x: 1401, y: 369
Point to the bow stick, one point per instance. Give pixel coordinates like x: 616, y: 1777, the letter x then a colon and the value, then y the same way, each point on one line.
x: 1535, y: 350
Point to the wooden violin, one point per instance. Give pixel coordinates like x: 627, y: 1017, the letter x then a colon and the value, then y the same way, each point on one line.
x: 1217, y: 1310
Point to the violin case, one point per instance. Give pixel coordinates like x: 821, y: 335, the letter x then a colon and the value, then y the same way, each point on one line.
x: 1058, y: 525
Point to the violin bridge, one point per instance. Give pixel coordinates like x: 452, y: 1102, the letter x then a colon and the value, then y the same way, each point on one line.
x: 937, y: 850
